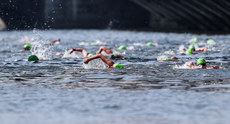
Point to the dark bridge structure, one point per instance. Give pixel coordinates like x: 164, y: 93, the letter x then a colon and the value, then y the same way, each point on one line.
x: 158, y: 15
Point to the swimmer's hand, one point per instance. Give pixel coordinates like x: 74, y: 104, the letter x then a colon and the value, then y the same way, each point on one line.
x: 110, y: 66
x: 214, y: 67
x: 86, y: 61
x: 59, y: 53
x: 71, y: 51
x: 189, y: 64
x: 105, y: 49
x: 202, y: 49
x: 173, y: 58
x: 182, y: 48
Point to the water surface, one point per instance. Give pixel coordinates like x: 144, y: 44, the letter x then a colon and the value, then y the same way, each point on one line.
x: 61, y: 90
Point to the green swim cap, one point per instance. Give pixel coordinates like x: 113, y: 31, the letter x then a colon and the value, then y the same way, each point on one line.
x: 191, y: 47
x: 27, y: 46
x: 131, y: 57
x: 122, y: 47
x: 93, y: 44
x: 118, y: 65
x: 89, y: 55
x: 149, y: 43
x: 210, y: 41
x: 166, y: 58
x: 189, y: 52
x: 200, y: 61
x: 33, y: 58
x: 195, y: 39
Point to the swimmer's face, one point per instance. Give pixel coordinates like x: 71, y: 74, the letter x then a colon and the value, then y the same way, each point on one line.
x: 203, y: 65
x: 112, y: 57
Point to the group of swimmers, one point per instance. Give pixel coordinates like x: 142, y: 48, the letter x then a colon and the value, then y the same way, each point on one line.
x: 107, y: 59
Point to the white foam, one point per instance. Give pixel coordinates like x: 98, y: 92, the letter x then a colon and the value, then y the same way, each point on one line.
x: 83, y: 44
x: 139, y: 44
x: 181, y: 49
x: 98, y: 42
x: 41, y: 50
x: 119, y: 52
x: 73, y: 55
x: 130, y: 48
x: 104, y: 53
x: 161, y: 58
x: 170, y: 52
x: 95, y: 64
x: 184, y: 66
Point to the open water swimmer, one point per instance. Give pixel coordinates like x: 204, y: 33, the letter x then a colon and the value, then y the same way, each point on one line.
x: 201, y: 63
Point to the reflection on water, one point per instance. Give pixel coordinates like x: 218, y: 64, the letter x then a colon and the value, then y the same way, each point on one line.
x: 60, y: 90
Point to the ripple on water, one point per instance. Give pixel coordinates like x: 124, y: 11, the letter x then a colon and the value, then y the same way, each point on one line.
x: 64, y: 90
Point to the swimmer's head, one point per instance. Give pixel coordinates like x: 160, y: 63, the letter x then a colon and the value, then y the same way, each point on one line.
x: 93, y: 43
x: 149, y: 43
x: 195, y: 39
x: 33, y: 58
x: 118, y: 65
x: 201, y: 61
x: 166, y: 58
x: 192, y: 48
x: 131, y: 57
x: 90, y: 55
x: 122, y: 47
x: 27, y: 46
x: 189, y: 51
x: 210, y: 41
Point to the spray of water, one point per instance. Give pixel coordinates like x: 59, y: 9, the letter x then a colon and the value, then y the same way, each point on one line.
x: 95, y: 64
x: 42, y: 50
x: 77, y: 55
x: 162, y: 58
x: 184, y: 66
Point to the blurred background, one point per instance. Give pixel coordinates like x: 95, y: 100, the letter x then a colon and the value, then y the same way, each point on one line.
x: 155, y: 15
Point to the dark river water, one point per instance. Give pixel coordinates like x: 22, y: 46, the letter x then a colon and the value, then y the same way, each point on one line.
x: 60, y: 89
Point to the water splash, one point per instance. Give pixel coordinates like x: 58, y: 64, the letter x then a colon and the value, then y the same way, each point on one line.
x: 130, y: 48
x: 105, y: 54
x: 73, y: 55
x: 42, y: 50
x: 139, y: 44
x: 184, y: 66
x: 95, y: 64
x: 162, y: 58
x: 99, y: 42
x: 181, y: 49
x: 110, y: 24
x: 170, y: 52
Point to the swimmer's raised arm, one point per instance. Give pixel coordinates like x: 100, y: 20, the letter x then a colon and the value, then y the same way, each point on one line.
x: 83, y: 51
x: 202, y: 49
x: 182, y: 48
x: 109, y: 62
x: 103, y: 48
x: 173, y: 58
